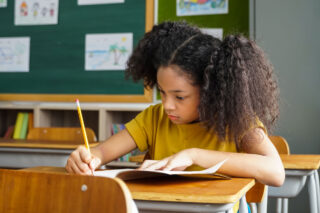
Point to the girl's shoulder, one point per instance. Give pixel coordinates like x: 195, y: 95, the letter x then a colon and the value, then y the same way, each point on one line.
x: 154, y: 111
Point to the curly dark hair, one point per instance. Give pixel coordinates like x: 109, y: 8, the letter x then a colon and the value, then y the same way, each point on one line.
x: 236, y: 80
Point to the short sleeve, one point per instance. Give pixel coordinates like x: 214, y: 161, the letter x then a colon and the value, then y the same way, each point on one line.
x: 140, y: 128
x: 257, y: 124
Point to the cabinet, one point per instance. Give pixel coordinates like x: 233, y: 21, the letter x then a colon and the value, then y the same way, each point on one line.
x: 98, y: 116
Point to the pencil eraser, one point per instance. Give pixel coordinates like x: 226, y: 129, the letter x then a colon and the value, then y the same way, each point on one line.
x: 77, y: 100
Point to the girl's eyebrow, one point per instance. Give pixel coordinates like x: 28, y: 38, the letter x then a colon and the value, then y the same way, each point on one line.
x: 176, y: 91
x: 172, y: 91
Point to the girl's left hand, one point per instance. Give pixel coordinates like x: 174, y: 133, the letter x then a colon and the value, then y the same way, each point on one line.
x: 179, y: 161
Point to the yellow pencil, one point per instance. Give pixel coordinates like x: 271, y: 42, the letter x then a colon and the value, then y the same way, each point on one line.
x: 82, y: 126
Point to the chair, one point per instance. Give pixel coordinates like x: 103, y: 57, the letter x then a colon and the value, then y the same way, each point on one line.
x: 36, y: 192
x: 73, y: 134
x: 283, y: 148
x: 281, y: 144
x: 258, y: 194
x: 295, y: 181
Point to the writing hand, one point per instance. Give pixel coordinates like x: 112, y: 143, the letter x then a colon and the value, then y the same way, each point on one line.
x: 81, y: 161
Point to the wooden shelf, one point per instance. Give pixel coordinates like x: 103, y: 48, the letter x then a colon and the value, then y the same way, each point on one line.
x: 97, y: 116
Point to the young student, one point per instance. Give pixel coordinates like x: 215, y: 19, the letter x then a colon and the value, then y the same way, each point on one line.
x: 219, y: 100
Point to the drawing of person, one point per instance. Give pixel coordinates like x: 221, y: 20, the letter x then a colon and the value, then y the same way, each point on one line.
x: 23, y: 9
x: 52, y: 9
x: 35, y: 8
x: 44, y: 11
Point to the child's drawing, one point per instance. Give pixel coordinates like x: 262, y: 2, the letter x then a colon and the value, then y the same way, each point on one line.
x: 107, y: 51
x: 36, y: 12
x: 201, y: 7
x: 215, y: 32
x: 14, y: 54
x: 3, y: 3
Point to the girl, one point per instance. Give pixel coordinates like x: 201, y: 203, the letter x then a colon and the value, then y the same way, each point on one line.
x: 219, y: 98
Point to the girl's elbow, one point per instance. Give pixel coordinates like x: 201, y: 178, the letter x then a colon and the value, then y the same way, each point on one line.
x: 278, y: 178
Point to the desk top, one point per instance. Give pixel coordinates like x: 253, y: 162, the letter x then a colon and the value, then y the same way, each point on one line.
x: 40, y: 144
x: 182, y: 189
x: 294, y: 161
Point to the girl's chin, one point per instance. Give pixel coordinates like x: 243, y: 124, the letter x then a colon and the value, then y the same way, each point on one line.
x: 177, y: 121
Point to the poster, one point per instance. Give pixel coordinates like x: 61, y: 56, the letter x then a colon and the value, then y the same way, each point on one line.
x: 3, y: 3
x: 36, y: 12
x: 14, y: 54
x: 109, y: 51
x: 88, y: 2
x: 215, y: 32
x: 201, y: 7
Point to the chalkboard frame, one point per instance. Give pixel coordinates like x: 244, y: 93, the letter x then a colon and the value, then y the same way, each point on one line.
x: 147, y: 95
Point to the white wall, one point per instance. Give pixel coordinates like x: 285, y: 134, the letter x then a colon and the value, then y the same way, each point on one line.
x: 289, y: 31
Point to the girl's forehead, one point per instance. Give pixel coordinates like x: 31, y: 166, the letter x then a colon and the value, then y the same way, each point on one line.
x: 173, y: 78
x: 174, y: 70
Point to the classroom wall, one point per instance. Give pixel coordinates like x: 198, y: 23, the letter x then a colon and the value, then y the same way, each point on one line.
x: 289, y: 31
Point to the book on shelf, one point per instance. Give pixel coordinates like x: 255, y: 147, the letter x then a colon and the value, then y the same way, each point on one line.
x: 9, y: 133
x: 24, y: 126
x: 30, y: 121
x: 18, y: 125
x: 21, y: 127
x: 130, y: 174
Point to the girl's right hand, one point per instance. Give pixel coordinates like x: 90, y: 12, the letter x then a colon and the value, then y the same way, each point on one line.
x: 81, y: 161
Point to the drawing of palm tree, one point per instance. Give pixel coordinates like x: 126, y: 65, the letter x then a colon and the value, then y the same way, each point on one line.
x: 114, y: 49
x: 123, y: 51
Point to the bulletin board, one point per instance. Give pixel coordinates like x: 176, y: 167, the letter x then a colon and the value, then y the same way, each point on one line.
x: 235, y: 21
x: 57, y: 54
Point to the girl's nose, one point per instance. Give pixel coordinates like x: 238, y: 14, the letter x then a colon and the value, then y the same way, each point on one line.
x: 168, y: 104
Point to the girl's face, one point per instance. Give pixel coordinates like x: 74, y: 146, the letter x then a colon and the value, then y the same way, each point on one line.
x: 179, y: 97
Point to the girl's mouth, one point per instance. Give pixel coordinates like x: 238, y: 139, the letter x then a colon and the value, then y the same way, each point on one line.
x: 172, y: 117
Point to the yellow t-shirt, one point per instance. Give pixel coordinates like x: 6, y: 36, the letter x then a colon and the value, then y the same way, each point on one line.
x: 152, y: 130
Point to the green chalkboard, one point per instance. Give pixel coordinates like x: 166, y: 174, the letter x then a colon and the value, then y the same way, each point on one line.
x: 235, y: 21
x: 57, y: 52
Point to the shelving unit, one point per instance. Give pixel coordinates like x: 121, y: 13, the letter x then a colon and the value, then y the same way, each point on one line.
x: 98, y: 116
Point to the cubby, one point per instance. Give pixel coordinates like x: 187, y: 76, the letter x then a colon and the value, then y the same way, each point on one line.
x: 98, y: 116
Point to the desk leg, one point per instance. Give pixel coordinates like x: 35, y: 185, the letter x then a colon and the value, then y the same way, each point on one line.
x: 279, y: 205
x: 243, y: 207
x: 285, y: 205
x: 312, y: 193
x: 316, y: 176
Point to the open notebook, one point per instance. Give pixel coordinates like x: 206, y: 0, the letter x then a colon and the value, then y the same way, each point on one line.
x: 129, y: 174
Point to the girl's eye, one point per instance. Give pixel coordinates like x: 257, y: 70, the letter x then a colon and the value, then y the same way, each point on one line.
x: 179, y: 98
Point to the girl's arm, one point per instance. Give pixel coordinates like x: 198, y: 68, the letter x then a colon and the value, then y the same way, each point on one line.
x: 261, y: 160
x: 81, y: 162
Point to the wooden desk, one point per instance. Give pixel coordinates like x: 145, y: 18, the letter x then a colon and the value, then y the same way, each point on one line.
x: 305, y: 162
x: 298, y: 169
x: 31, y: 153
x: 159, y: 194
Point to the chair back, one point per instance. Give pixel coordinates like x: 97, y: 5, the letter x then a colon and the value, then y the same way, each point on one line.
x: 258, y: 191
x: 38, y: 192
x: 280, y: 143
x: 73, y: 134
